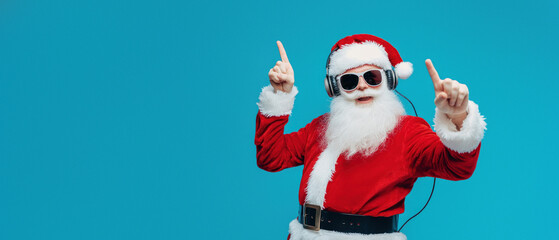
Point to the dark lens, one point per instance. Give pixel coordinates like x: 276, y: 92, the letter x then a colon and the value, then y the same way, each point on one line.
x: 349, y: 81
x: 373, y: 77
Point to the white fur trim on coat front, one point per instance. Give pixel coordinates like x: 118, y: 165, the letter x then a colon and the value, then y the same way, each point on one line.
x: 321, y: 175
x: 299, y: 233
x: 469, y: 136
x: 358, y: 54
x: 274, y: 104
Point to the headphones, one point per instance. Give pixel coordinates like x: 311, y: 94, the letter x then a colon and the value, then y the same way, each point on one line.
x: 331, y: 84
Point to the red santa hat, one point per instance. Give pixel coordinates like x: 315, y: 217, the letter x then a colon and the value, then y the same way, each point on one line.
x: 360, y: 49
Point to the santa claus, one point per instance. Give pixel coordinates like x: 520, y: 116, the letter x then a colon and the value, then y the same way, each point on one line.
x: 362, y: 159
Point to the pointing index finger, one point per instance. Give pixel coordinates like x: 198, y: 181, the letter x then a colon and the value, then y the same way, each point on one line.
x: 433, y: 73
x: 283, y: 54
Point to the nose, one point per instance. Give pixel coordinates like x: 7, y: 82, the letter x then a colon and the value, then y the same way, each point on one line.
x: 362, y: 85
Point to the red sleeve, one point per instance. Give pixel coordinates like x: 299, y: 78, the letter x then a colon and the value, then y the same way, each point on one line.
x: 276, y: 151
x: 429, y: 157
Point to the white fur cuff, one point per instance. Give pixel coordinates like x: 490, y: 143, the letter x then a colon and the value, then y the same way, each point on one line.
x: 468, y: 138
x: 274, y: 104
x: 299, y: 233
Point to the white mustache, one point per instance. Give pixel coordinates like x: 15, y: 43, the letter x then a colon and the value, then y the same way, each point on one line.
x: 366, y: 93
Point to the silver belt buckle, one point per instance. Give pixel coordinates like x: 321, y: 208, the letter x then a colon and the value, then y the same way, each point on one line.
x: 312, y: 216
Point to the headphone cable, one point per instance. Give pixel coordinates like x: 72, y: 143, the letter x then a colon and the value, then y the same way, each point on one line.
x: 434, y: 179
x: 408, y: 101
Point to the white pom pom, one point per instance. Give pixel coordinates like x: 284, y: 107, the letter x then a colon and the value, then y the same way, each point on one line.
x: 404, y: 70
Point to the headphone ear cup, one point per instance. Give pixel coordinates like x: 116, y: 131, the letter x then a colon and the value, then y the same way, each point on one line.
x: 334, y: 86
x: 327, y: 87
x: 391, y: 79
x: 330, y: 81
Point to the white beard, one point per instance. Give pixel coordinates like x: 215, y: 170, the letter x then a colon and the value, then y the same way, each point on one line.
x: 362, y: 128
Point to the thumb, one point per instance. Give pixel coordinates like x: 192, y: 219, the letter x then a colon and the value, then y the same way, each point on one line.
x: 440, y: 98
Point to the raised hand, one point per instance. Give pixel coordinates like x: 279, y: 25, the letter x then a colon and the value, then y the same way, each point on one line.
x: 281, y: 75
x: 451, y: 97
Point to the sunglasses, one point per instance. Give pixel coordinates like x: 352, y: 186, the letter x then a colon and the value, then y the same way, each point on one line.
x: 349, y: 81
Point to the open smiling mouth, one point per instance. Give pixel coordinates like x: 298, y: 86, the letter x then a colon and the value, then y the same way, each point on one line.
x: 364, y: 99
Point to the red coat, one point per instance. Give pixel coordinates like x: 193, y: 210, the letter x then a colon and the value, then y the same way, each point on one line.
x: 375, y: 185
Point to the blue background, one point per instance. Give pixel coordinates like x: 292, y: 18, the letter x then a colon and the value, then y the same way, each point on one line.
x: 135, y: 119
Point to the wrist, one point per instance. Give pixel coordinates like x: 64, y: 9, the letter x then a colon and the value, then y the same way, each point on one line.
x: 457, y: 119
x: 457, y: 115
x: 283, y: 89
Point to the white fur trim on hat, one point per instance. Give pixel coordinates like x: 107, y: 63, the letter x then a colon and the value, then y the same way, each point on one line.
x: 299, y: 233
x: 358, y: 54
x: 468, y: 138
x: 274, y: 104
x: 403, y: 70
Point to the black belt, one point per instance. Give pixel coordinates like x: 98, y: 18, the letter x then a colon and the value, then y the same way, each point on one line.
x: 347, y: 223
